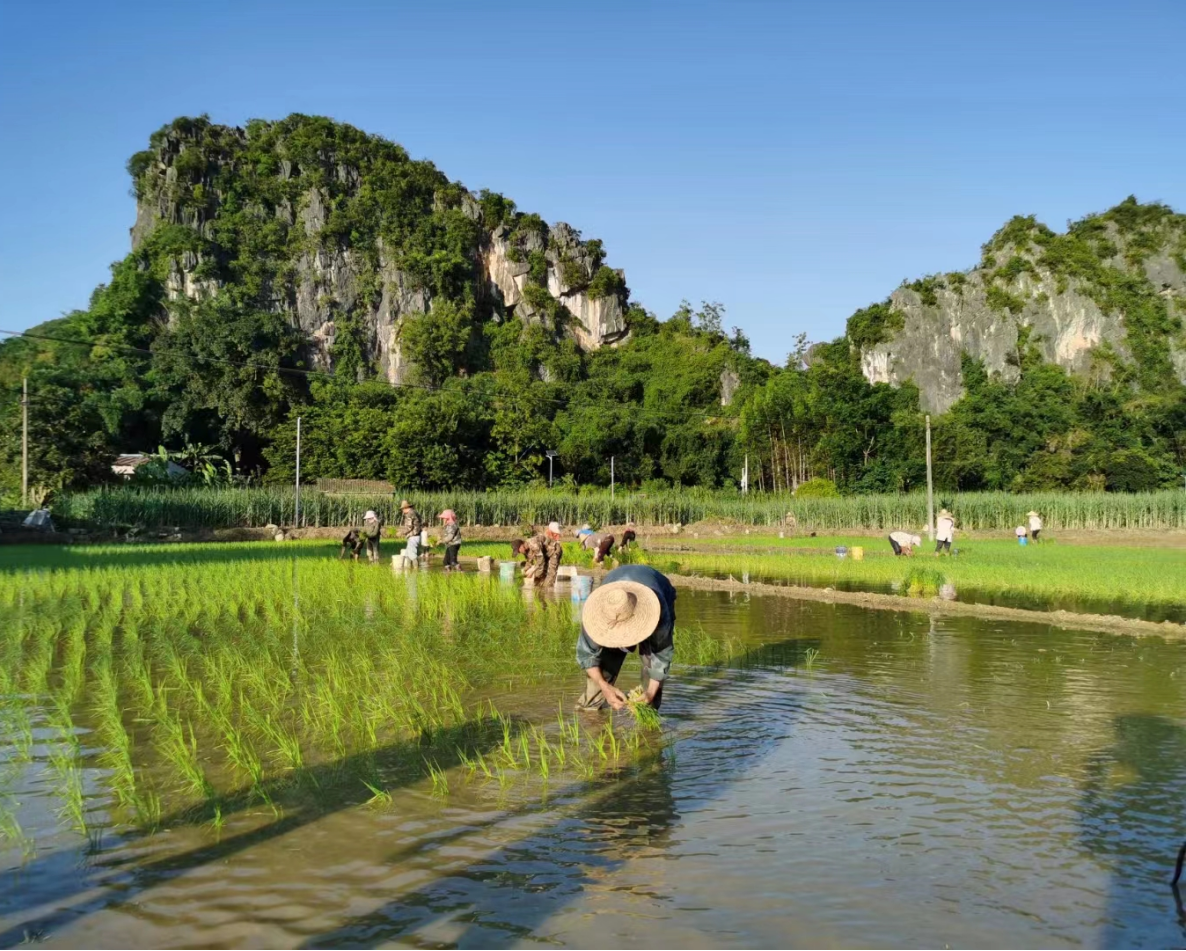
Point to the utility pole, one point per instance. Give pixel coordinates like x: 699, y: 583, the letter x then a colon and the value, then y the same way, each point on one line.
x: 551, y: 456
x: 611, y: 478
x: 25, y: 442
x: 930, y: 486
x: 296, y: 517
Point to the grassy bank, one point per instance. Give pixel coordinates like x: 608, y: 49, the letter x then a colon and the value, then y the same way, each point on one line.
x: 1135, y: 582
x: 253, y: 507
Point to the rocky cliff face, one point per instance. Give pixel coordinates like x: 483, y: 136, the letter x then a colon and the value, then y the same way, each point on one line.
x: 1105, y: 297
x: 597, y: 318
x: 337, y: 235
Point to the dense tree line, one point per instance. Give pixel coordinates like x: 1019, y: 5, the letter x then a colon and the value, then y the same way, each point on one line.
x: 680, y: 402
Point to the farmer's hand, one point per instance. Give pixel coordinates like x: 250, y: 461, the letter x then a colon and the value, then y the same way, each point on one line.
x: 613, y: 696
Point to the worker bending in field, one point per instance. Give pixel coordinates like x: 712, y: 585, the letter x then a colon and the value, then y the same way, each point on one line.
x: 633, y: 609
x: 1035, y: 521
x: 353, y: 543
x: 903, y: 543
x: 600, y: 543
x: 543, y: 553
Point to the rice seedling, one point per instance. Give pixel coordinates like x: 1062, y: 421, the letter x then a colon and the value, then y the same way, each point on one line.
x: 207, y: 689
x: 1113, y: 579
x: 645, y: 716
x: 379, y: 797
x: 440, y: 782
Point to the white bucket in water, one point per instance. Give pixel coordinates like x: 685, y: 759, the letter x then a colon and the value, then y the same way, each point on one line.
x: 506, y: 570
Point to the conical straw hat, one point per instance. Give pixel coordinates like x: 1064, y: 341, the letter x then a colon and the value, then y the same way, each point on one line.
x: 621, y: 614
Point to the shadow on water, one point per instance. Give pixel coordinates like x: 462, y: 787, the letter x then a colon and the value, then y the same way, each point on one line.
x: 300, y: 798
x: 1133, y: 821
x: 594, y: 828
x: 508, y: 894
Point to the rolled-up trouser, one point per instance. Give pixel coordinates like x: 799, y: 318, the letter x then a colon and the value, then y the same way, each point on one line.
x: 413, y: 548
x: 451, y: 554
x: 373, y: 548
x: 611, y: 665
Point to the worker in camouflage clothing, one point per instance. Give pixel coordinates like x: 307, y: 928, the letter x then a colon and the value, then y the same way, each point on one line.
x: 543, y: 553
x: 410, y: 526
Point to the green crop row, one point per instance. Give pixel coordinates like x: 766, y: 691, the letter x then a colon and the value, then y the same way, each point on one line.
x: 254, y: 507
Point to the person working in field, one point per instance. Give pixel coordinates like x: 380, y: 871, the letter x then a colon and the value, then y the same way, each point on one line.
x: 903, y: 543
x: 600, y: 543
x: 372, y: 532
x: 944, y: 532
x: 1035, y: 525
x: 543, y: 553
x: 353, y: 543
x: 633, y: 609
x: 628, y: 535
x: 451, y: 538
x: 410, y: 526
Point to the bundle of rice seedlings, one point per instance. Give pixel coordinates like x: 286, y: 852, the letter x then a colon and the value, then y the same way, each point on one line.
x: 645, y: 716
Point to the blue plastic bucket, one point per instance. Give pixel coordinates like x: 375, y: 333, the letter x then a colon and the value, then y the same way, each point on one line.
x: 582, y: 587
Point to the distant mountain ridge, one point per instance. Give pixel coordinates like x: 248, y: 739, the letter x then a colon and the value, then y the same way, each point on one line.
x: 348, y: 237
x: 1106, y: 297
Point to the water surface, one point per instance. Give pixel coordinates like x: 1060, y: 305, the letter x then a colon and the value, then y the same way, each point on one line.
x: 852, y: 778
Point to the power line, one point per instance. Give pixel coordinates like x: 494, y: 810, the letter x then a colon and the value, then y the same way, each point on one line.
x: 324, y: 374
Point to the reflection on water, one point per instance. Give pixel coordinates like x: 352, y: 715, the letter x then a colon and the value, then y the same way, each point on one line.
x: 852, y: 778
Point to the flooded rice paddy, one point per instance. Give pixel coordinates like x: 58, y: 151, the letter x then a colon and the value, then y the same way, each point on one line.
x: 226, y: 749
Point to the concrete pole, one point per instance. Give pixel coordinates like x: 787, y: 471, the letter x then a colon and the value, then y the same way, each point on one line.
x: 611, y: 478
x: 930, y: 486
x: 296, y: 518
x: 25, y: 442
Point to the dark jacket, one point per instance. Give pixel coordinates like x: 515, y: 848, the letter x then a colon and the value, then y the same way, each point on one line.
x: 660, y: 645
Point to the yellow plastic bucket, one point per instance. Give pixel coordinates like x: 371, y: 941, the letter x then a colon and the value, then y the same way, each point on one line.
x: 858, y: 554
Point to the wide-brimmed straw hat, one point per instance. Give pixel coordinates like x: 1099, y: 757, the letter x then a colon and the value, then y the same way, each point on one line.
x: 449, y: 514
x: 405, y: 504
x: 943, y: 513
x: 621, y: 614
x: 1031, y: 512
x: 370, y: 514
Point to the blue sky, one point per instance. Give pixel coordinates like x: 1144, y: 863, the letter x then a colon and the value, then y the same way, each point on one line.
x: 794, y: 161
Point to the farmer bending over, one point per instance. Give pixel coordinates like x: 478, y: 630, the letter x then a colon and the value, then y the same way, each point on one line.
x: 600, y: 544
x: 903, y: 543
x: 354, y: 543
x: 633, y: 608
x: 543, y: 554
